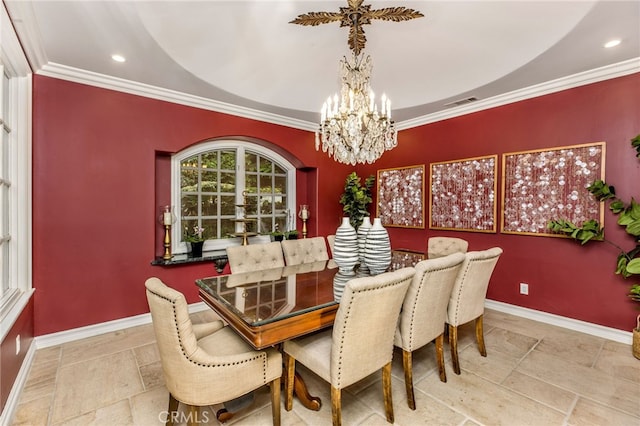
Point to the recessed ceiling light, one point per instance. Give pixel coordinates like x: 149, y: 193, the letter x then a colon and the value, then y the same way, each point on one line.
x: 612, y: 43
x: 118, y: 58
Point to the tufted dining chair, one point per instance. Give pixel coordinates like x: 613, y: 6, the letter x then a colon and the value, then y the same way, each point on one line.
x: 443, y: 246
x: 424, y: 313
x: 467, y: 298
x: 206, y: 364
x: 255, y: 256
x: 360, y: 343
x: 306, y: 250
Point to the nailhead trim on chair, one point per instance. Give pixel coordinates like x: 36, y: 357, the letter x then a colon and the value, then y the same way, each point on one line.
x: 263, y: 356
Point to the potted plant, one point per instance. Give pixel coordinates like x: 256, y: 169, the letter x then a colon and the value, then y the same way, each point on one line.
x: 628, y: 262
x: 276, y: 235
x: 356, y: 198
x: 291, y: 235
x: 196, y: 237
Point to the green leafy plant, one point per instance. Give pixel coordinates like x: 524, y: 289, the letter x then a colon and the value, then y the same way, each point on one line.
x: 291, y: 235
x: 356, y: 198
x: 628, y: 262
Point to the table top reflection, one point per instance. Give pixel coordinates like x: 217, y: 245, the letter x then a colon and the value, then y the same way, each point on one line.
x: 270, y: 306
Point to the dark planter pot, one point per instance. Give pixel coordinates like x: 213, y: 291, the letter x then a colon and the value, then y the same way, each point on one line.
x: 277, y: 237
x: 196, y: 249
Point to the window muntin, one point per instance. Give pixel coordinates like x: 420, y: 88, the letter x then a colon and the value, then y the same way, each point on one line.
x: 208, y: 182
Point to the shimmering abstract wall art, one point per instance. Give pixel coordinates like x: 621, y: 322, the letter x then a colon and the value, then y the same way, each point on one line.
x: 401, y: 197
x: 463, y: 194
x: 542, y: 185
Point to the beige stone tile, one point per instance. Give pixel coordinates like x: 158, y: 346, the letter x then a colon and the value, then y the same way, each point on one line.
x: 423, y: 360
x: 40, y: 382
x: 508, y: 342
x: 540, y: 391
x: 524, y: 326
x: 46, y: 355
x: 589, y: 413
x: 617, y: 360
x: 152, y: 375
x: 108, y: 343
x: 86, y: 386
x: 263, y: 416
x: 147, y: 354
x: 496, y: 366
x: 114, y: 414
x: 588, y: 382
x: 571, y: 345
x: 488, y: 403
x: 469, y: 422
x: 377, y: 420
x: 150, y: 407
x: 428, y: 410
x: 32, y: 413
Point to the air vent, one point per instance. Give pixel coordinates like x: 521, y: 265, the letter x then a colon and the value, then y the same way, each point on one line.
x: 461, y: 101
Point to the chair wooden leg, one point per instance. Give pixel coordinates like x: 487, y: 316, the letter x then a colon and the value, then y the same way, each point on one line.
x: 480, y: 335
x: 386, y: 387
x: 440, y: 357
x: 275, y: 401
x: 172, y: 410
x: 336, y: 406
x: 408, y: 378
x: 289, y: 371
x: 453, y: 343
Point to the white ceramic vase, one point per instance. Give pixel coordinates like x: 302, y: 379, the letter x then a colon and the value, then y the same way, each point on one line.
x: 377, y: 253
x: 345, y: 247
x: 362, y: 232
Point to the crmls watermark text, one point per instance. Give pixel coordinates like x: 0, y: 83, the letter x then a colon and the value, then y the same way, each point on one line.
x: 188, y: 418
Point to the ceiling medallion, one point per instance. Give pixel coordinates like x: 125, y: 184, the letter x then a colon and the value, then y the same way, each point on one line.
x: 352, y: 129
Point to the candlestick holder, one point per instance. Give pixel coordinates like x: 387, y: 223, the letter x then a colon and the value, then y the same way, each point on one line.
x: 304, y: 215
x: 167, y: 218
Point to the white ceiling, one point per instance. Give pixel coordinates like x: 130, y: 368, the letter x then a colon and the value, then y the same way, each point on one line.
x: 245, y: 54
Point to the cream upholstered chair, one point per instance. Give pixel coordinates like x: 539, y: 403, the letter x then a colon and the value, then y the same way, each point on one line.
x: 206, y: 364
x: 424, y: 313
x: 331, y: 240
x: 255, y: 256
x: 467, y: 297
x: 360, y: 343
x: 443, y: 246
x: 306, y: 250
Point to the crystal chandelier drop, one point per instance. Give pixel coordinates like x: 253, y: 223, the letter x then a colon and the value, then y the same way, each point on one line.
x: 352, y: 127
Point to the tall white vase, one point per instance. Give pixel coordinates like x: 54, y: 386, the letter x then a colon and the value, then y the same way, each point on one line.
x: 345, y: 247
x: 362, y: 232
x: 377, y: 252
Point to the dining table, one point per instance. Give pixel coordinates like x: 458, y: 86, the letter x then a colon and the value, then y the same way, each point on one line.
x: 270, y: 306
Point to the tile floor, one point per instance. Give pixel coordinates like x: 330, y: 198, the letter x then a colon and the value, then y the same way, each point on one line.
x: 534, y: 374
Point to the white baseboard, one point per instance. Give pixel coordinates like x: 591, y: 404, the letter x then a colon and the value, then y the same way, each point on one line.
x: 564, y: 322
x: 6, y: 417
x: 66, y: 336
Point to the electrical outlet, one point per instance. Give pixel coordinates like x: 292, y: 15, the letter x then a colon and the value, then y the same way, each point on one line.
x: 17, y: 344
x: 524, y: 288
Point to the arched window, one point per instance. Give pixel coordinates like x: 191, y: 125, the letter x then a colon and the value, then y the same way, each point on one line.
x: 213, y: 180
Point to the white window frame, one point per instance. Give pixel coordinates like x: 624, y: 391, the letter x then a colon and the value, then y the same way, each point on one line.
x: 14, y: 63
x: 179, y: 247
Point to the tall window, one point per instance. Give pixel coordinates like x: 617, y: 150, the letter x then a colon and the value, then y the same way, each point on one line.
x: 217, y: 183
x: 15, y: 177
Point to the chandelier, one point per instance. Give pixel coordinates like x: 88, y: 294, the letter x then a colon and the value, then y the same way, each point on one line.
x: 352, y: 128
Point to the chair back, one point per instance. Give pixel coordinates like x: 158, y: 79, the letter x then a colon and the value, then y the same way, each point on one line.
x: 173, y: 329
x: 362, y: 338
x: 470, y: 289
x: 306, y: 250
x: 444, y: 246
x: 331, y: 241
x: 255, y: 256
x: 424, y: 310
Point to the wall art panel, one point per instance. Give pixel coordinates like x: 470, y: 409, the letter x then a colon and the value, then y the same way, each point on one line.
x: 463, y: 194
x: 401, y: 197
x: 546, y: 184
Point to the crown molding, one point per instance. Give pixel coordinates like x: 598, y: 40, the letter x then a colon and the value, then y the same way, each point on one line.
x: 119, y: 84
x: 64, y: 72
x: 608, y: 72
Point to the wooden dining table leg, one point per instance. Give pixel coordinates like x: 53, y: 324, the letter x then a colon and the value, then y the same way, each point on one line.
x: 300, y: 390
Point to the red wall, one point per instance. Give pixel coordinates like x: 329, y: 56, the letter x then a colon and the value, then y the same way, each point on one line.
x: 96, y: 158
x: 564, y: 278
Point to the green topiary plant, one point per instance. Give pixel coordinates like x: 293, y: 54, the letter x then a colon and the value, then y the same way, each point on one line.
x: 628, y: 262
x: 356, y: 198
